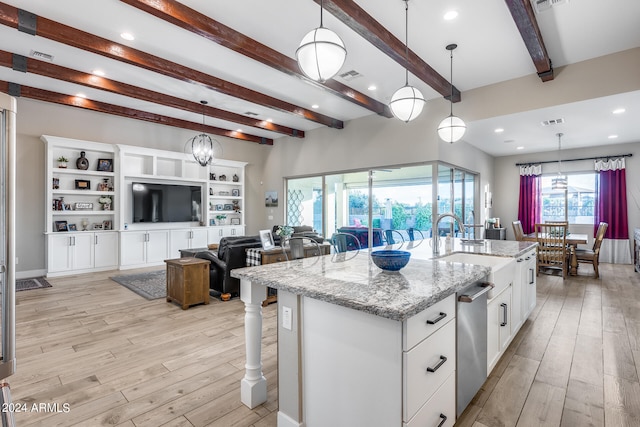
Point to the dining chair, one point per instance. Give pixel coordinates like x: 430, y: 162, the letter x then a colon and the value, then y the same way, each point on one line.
x: 411, y: 232
x: 344, y: 242
x: 593, y: 255
x: 301, y: 247
x: 392, y: 237
x: 519, y: 233
x: 552, y: 251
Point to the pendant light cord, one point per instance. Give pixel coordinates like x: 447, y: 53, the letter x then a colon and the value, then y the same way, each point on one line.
x: 451, y: 80
x: 559, y: 150
x: 321, y: 7
x: 406, y: 40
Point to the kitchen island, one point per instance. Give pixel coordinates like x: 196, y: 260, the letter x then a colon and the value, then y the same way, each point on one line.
x: 351, y: 335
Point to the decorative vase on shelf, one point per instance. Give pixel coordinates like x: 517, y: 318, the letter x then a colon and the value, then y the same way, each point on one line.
x: 82, y: 163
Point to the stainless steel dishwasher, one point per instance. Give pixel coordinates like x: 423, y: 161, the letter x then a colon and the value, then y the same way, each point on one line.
x: 471, y: 342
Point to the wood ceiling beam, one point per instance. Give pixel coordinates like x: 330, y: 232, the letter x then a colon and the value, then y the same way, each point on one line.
x: 192, y: 20
x: 8, y: 59
x: 356, y: 18
x: 82, y: 40
x: 525, y: 19
x: 117, y: 110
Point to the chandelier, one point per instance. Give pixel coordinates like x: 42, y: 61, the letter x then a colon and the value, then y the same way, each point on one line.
x: 407, y: 102
x: 203, y: 148
x: 452, y: 128
x: 321, y: 53
x: 560, y: 181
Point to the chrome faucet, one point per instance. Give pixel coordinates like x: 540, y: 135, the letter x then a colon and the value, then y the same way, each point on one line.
x: 435, y: 245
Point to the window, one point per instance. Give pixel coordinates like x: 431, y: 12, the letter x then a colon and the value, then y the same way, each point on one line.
x: 576, y: 205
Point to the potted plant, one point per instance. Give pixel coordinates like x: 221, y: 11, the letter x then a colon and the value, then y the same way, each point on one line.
x: 284, y: 231
x: 62, y: 162
x: 105, y: 201
x: 221, y: 219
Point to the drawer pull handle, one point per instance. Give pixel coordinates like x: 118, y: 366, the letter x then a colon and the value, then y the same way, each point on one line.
x: 504, y: 313
x: 444, y: 420
x: 437, y: 319
x: 440, y: 363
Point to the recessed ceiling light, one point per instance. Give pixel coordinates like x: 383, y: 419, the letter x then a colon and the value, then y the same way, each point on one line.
x: 315, y: 106
x: 613, y: 136
x: 372, y: 87
x: 499, y: 130
x: 618, y: 111
x: 270, y: 120
x: 239, y: 130
x: 520, y: 148
x: 98, y: 73
x: 127, y: 36
x: 81, y: 95
x: 452, y: 14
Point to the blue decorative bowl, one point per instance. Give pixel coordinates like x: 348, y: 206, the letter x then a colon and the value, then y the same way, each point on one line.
x: 390, y: 260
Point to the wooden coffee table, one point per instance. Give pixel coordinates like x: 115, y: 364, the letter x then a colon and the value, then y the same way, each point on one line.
x: 188, y: 281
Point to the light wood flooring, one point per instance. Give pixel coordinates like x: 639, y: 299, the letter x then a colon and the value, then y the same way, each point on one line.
x: 118, y: 359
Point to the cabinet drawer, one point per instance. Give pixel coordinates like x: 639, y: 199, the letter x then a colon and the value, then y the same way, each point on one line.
x: 428, y: 321
x: 427, y: 366
x: 442, y: 404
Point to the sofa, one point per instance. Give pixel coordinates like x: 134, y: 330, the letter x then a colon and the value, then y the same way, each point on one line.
x: 231, y: 254
x: 301, y: 231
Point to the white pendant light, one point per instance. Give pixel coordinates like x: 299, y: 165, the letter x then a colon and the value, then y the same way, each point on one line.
x: 560, y: 181
x: 452, y: 128
x: 407, y: 102
x: 321, y: 53
x: 203, y: 148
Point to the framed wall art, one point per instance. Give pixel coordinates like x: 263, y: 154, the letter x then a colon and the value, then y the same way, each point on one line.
x: 105, y: 165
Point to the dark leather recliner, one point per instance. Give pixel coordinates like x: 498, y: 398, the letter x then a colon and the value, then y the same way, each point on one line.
x: 231, y: 254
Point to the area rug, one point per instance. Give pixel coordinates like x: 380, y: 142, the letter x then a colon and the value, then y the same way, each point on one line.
x: 151, y: 285
x: 32, y: 283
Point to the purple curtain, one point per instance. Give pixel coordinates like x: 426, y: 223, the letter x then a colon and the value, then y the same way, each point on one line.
x: 529, y: 204
x: 611, y: 203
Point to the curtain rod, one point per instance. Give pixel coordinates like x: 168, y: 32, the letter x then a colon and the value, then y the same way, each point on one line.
x: 575, y: 160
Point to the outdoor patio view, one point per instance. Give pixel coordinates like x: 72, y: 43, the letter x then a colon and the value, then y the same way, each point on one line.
x: 402, y: 199
x: 575, y: 205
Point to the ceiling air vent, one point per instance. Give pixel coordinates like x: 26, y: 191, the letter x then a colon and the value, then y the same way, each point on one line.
x: 350, y: 75
x: 41, y: 55
x: 542, y: 5
x: 552, y: 122
x: 250, y: 113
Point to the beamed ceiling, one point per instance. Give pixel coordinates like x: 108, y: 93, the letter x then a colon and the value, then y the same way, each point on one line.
x: 240, y: 57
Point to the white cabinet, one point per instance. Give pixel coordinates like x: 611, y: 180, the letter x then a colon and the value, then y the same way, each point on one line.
x: 80, y: 194
x: 524, y: 289
x: 81, y: 252
x: 218, y: 232
x: 187, y: 239
x: 140, y: 248
x: 106, y: 250
x: 499, y: 331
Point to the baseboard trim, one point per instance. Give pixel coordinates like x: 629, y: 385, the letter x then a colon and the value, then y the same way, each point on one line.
x: 286, y: 421
x: 29, y: 274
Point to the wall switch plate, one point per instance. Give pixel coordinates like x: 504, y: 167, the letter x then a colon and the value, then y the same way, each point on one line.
x: 286, y: 317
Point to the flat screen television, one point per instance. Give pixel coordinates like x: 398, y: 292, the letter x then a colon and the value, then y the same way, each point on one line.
x: 166, y: 202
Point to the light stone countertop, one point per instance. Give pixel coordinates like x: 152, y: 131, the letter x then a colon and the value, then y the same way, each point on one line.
x: 354, y: 281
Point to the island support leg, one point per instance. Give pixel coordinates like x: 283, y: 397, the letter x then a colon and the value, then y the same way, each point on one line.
x: 253, y: 387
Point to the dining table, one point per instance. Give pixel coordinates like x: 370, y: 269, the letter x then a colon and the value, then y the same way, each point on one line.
x: 573, y: 240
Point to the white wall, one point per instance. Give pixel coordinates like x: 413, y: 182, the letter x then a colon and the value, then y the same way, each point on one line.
x: 507, y: 188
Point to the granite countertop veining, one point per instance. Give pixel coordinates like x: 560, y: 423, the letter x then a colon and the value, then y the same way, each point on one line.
x: 356, y: 282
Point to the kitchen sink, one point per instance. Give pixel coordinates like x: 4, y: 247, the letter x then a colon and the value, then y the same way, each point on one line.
x: 502, y: 268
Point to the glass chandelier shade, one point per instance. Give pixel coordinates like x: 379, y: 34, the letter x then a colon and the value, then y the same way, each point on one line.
x: 560, y: 181
x: 407, y: 102
x: 452, y: 128
x: 321, y: 53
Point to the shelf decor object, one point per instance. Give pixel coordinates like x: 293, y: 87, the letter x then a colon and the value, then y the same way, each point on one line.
x: 452, y: 128
x: 82, y: 163
x: 407, y: 102
x: 203, y: 148
x: 321, y: 53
